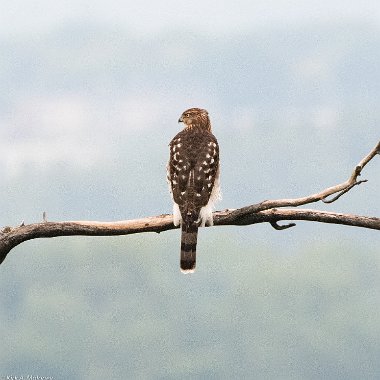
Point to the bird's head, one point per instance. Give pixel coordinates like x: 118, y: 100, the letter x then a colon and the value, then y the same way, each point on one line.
x: 195, y: 118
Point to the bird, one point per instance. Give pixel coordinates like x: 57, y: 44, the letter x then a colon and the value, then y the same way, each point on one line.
x: 193, y: 175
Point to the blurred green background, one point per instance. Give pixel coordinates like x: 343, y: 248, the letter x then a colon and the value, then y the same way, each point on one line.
x: 90, y: 95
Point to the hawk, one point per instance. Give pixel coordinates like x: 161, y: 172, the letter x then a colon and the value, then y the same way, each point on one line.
x: 193, y: 177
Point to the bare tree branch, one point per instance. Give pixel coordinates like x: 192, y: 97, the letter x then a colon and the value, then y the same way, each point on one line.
x: 269, y: 211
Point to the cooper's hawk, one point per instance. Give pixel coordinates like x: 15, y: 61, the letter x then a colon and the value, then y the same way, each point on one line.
x: 193, y: 176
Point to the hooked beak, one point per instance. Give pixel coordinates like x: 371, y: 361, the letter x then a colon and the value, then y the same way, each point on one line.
x: 180, y: 120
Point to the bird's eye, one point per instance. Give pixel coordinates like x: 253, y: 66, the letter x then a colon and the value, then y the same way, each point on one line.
x: 187, y: 114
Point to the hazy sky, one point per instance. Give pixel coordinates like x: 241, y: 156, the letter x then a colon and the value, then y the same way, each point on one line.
x: 35, y: 66
x: 21, y: 16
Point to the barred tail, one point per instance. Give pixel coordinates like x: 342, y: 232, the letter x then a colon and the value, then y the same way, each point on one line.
x: 188, y: 247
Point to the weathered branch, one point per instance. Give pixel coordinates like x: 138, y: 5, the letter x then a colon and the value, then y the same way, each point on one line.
x: 269, y: 211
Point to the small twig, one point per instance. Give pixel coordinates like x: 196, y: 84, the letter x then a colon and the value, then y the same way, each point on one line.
x: 278, y: 227
x: 324, y: 200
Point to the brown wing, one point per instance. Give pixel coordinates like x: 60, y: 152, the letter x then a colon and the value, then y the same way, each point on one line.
x: 179, y: 169
x: 205, y: 172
